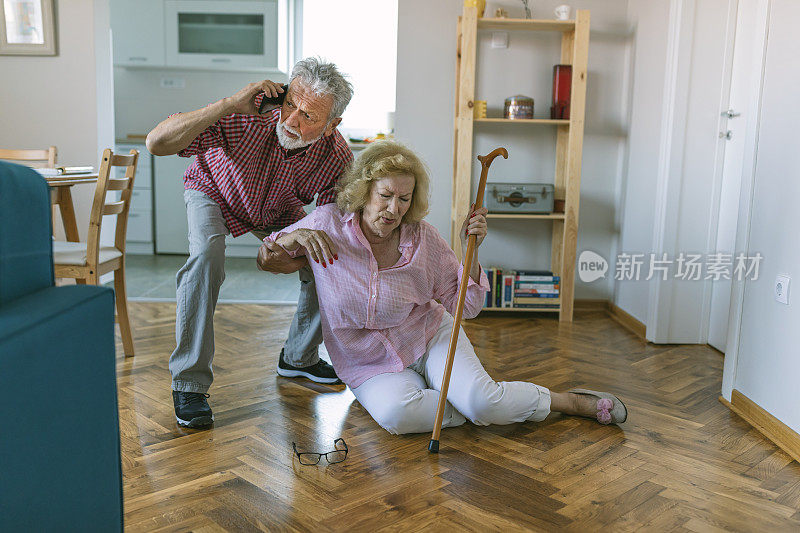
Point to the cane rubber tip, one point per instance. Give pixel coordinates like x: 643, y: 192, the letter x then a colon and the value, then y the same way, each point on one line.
x: 433, y: 446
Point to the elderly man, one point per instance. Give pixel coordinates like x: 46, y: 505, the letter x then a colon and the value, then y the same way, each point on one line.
x: 252, y: 172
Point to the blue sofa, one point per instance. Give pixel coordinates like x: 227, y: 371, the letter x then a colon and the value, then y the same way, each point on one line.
x: 59, y: 435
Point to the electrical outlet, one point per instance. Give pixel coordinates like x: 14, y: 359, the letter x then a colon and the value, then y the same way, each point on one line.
x: 173, y: 83
x: 499, y: 39
x: 782, y: 288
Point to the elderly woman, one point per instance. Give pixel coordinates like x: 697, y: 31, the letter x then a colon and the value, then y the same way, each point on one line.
x: 381, y: 272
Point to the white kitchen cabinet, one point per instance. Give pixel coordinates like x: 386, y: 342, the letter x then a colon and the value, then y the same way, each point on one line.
x: 228, y: 35
x: 138, y: 34
x: 139, y: 233
x: 170, y: 216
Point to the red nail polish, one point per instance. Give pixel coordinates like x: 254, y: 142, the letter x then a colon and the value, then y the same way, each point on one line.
x: 324, y: 265
x: 331, y: 261
x: 335, y: 256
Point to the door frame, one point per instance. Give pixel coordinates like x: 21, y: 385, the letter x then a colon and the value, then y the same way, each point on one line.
x: 755, y: 14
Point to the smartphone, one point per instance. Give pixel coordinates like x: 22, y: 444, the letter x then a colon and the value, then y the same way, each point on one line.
x: 273, y: 100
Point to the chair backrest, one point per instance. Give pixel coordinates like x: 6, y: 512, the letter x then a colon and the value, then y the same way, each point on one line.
x: 26, y: 248
x: 31, y: 158
x: 101, y: 206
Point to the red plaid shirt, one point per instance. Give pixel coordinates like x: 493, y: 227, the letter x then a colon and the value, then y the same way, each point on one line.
x: 241, y: 166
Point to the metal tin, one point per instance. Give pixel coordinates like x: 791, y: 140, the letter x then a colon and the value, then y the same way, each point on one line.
x: 518, y: 106
x: 519, y: 197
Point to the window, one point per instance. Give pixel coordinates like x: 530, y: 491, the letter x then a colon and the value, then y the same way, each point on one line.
x: 360, y: 36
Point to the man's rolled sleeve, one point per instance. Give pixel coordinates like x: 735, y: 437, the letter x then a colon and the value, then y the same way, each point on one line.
x: 224, y: 133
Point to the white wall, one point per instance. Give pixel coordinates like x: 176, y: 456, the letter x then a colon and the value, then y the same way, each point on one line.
x: 648, y: 22
x: 141, y: 103
x: 55, y: 99
x: 767, y: 353
x: 425, y: 110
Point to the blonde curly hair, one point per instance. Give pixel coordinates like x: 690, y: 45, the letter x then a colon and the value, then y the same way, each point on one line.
x: 379, y: 160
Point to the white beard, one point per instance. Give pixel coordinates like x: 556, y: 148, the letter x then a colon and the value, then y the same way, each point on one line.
x: 289, y: 143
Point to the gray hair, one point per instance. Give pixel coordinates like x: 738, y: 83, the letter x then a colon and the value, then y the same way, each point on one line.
x: 324, y: 78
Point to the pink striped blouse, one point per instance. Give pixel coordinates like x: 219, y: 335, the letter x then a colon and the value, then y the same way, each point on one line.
x: 380, y: 320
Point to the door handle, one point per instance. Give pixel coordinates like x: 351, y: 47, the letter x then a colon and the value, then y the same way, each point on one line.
x: 726, y: 135
x: 730, y: 113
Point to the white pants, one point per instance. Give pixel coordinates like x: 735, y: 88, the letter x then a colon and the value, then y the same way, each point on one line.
x: 406, y: 401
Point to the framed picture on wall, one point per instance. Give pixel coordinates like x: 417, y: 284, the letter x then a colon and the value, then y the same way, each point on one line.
x: 27, y: 28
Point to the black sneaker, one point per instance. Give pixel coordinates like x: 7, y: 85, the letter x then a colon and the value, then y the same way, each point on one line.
x: 321, y: 372
x: 192, y: 409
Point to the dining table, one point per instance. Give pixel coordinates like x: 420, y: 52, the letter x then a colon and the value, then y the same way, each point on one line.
x: 61, y: 196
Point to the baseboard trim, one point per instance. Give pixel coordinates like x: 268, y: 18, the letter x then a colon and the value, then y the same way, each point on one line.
x: 590, y: 305
x: 772, y: 428
x: 627, y: 321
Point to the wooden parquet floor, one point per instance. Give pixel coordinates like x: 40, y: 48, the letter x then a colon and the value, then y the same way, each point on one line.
x: 682, y: 462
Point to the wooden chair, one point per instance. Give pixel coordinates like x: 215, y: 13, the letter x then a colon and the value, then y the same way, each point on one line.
x: 31, y: 158
x: 87, y: 261
x: 34, y: 159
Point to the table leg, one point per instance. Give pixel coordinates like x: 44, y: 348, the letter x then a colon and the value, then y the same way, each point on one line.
x: 64, y: 202
x: 54, y: 209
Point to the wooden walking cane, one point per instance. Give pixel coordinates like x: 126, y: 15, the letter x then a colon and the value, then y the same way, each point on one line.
x: 486, y: 161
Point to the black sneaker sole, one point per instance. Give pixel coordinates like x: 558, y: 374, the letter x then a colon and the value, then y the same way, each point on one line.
x: 196, y: 422
x: 301, y: 374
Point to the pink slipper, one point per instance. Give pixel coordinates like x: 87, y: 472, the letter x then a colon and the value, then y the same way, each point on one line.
x: 610, y: 409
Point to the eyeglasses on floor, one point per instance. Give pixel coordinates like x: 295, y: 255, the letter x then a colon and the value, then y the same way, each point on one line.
x: 337, y: 455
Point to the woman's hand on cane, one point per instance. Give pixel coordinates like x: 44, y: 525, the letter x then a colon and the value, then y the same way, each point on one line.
x: 474, y: 224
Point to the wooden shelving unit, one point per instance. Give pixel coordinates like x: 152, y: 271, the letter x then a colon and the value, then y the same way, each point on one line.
x: 569, y: 140
x: 529, y: 121
x: 550, y: 216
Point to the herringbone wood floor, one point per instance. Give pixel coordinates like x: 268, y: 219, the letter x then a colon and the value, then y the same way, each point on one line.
x: 682, y: 462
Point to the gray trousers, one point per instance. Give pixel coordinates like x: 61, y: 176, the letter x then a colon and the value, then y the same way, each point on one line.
x: 199, y: 281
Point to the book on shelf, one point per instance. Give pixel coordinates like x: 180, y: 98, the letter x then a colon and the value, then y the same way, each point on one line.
x: 537, y: 278
x: 527, y: 292
x: 490, y: 276
x: 493, y: 275
x: 507, y: 290
x: 496, y: 292
x: 524, y: 286
x: 537, y: 306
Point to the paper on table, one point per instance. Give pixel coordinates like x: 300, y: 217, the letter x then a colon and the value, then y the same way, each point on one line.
x: 63, y: 171
x: 47, y: 172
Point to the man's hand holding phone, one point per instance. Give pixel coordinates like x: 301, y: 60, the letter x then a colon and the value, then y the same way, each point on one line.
x: 270, y: 102
x: 244, y: 101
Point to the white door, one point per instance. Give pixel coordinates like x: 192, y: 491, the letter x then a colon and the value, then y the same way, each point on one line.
x: 689, y: 184
x: 735, y: 115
